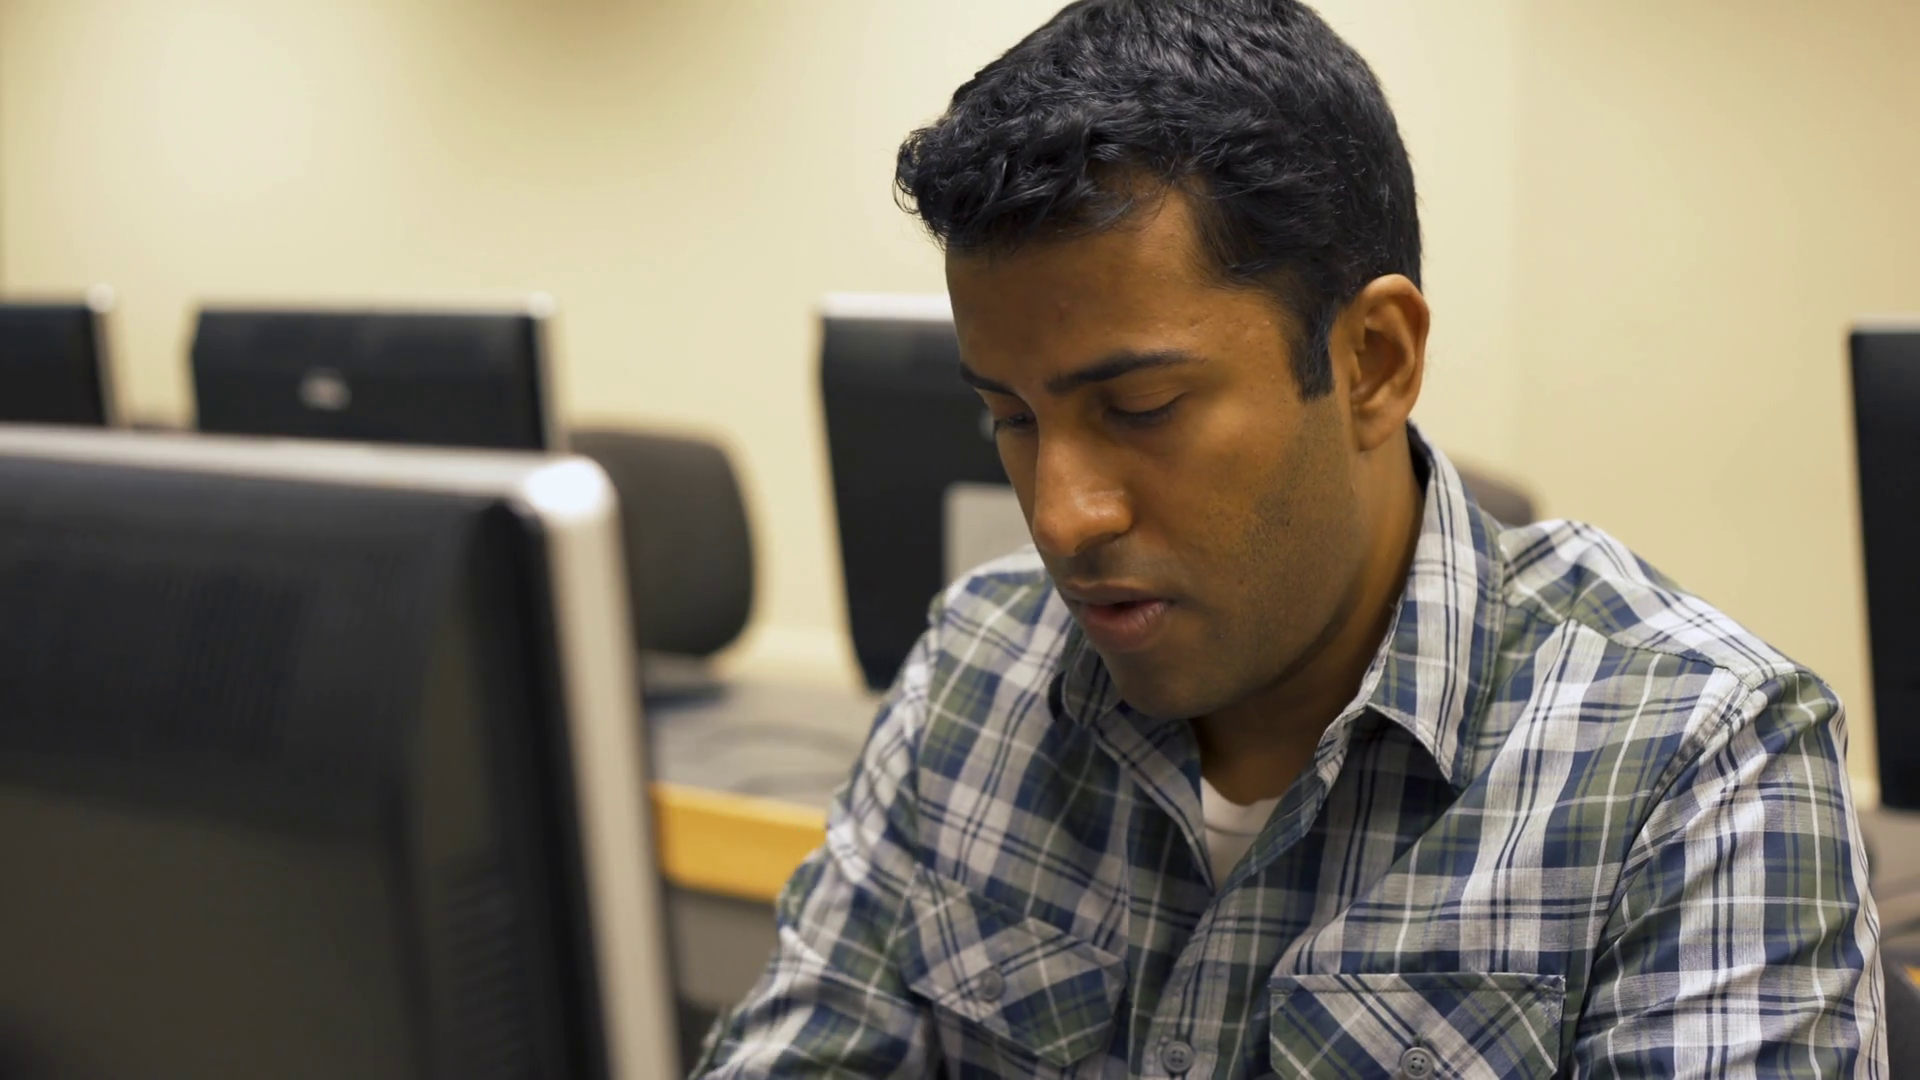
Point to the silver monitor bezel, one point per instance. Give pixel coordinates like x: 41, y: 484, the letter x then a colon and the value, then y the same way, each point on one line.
x: 575, y: 507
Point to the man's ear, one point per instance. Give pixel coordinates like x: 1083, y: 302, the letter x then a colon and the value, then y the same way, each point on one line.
x: 1384, y: 334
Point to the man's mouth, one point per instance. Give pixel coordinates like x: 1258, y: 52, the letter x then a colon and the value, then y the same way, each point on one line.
x: 1121, y: 625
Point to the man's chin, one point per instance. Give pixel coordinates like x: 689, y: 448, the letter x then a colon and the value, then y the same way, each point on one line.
x: 1154, y: 692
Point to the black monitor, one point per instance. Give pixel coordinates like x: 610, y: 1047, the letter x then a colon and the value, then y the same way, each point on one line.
x: 917, y: 483
x: 53, y: 362
x: 442, y: 378
x: 318, y: 761
x: 1886, y: 407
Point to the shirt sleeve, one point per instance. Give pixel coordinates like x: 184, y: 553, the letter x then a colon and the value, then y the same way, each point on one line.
x: 831, y: 1001
x: 1743, y: 943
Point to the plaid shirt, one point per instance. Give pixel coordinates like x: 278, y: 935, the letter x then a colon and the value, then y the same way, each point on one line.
x: 1575, y: 823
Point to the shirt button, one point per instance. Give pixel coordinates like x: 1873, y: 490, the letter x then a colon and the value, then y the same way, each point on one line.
x: 1177, y: 1057
x: 990, y: 986
x: 1417, y: 1064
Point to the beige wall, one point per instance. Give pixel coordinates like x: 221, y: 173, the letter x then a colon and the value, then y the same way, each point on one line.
x: 687, y: 176
x: 1709, y: 192
x: 1647, y: 223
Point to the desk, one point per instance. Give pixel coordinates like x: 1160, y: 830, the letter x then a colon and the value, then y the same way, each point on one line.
x: 1893, y: 846
x: 742, y: 846
x: 742, y: 782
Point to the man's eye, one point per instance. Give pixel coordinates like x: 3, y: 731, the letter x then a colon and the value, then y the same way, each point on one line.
x: 1144, y: 418
x: 1018, y: 422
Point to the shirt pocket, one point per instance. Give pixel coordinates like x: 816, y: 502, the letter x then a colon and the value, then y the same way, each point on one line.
x: 1027, y: 984
x: 1446, y: 1026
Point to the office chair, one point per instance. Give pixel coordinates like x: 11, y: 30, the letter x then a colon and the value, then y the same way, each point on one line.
x: 1510, y: 504
x: 689, y: 550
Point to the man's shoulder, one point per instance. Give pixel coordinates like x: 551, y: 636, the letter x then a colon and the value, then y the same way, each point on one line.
x: 1561, y: 574
x: 1592, y: 632
x: 1638, y: 688
x: 1009, y: 601
x: 995, y: 635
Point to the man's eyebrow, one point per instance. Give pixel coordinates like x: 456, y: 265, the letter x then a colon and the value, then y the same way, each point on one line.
x: 1118, y: 365
x: 981, y: 382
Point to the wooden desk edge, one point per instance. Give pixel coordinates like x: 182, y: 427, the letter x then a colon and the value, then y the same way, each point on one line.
x: 734, y: 845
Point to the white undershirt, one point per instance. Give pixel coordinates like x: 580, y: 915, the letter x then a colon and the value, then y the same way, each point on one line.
x: 1231, y: 828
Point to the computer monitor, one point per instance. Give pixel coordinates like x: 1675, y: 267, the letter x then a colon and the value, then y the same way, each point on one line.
x: 444, y: 378
x: 918, y: 487
x: 1886, y: 409
x: 53, y: 362
x: 319, y: 761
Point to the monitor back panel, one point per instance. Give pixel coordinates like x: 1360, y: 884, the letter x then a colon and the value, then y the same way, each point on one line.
x: 279, y: 756
x: 1886, y: 390
x: 467, y: 379
x: 902, y: 430
x: 50, y: 365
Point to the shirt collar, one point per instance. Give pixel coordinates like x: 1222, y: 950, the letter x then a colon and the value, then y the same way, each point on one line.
x: 1434, y: 669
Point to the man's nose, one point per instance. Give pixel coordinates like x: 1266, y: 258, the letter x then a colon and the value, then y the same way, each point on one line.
x: 1077, y: 505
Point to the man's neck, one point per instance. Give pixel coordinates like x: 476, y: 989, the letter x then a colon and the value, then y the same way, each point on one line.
x: 1256, y: 748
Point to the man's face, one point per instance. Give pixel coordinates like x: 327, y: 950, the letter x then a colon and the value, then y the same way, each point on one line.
x: 1198, y: 516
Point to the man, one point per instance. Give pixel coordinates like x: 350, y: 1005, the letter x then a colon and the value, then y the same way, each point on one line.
x: 1276, y: 755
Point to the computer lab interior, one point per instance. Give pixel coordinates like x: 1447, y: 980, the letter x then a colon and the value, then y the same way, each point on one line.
x: 561, y: 383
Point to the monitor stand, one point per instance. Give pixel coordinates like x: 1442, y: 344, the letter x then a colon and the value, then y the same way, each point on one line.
x: 981, y: 523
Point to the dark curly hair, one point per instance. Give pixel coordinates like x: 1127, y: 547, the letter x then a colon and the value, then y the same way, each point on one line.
x: 1256, y: 109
